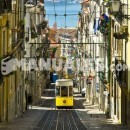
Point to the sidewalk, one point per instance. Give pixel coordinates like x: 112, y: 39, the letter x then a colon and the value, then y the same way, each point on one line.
x: 25, y: 122
x: 95, y: 119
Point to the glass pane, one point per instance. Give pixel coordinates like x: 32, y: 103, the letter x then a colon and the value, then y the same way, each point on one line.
x: 70, y: 91
x: 64, y: 91
x: 58, y: 91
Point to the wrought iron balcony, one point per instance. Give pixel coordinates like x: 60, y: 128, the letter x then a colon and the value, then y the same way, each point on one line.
x: 123, y: 34
x: 102, y: 77
x: 17, y: 35
x: 33, y: 32
x: 41, y: 26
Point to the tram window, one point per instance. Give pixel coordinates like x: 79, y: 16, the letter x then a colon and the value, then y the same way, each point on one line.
x: 58, y: 91
x: 64, y: 91
x: 70, y: 91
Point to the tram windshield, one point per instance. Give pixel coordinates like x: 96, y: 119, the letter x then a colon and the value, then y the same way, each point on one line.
x: 64, y: 91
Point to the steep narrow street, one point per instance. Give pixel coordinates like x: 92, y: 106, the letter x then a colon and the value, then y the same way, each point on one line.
x: 64, y: 65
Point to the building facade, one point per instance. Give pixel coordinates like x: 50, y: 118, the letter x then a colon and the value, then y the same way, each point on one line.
x: 107, y: 38
x: 36, y: 45
x: 12, y: 99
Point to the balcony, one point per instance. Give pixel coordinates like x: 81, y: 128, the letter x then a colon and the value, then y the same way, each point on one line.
x: 103, y: 26
x: 102, y: 77
x: 40, y: 6
x: 41, y: 26
x: 17, y: 35
x: 122, y: 34
x: 5, y: 6
x: 33, y: 33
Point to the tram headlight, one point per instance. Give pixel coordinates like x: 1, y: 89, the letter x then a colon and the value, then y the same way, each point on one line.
x: 64, y: 101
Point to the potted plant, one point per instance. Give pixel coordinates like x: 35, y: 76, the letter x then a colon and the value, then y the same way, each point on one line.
x: 103, y: 26
x: 33, y: 32
x: 120, y: 35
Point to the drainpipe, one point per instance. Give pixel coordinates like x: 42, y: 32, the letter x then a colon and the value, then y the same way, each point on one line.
x: 7, y: 78
x: 109, y: 63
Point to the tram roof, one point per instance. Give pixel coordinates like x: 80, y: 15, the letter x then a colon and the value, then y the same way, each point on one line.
x: 58, y: 80
x: 64, y: 82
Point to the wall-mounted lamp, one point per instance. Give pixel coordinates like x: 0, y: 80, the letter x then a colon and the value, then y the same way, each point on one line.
x: 116, y: 7
x: 37, y: 52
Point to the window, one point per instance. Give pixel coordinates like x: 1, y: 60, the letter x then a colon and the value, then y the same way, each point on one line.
x: 64, y: 46
x: 70, y: 91
x: 64, y: 91
x: 3, y: 43
x: 58, y: 91
x: 14, y: 38
x: 5, y: 5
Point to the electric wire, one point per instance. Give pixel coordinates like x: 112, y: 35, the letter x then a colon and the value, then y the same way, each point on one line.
x: 65, y: 16
x: 65, y: 11
x: 54, y: 10
x: 55, y: 14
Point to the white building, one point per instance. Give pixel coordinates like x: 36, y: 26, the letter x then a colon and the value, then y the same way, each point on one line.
x: 35, y: 42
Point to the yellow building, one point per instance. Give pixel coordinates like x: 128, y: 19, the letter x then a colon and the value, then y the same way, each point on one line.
x: 128, y: 63
x: 12, y: 96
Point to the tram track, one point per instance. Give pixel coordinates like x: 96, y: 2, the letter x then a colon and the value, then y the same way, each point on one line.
x: 76, y: 128
x: 52, y: 121
x: 69, y: 124
x: 45, y: 126
x: 58, y: 119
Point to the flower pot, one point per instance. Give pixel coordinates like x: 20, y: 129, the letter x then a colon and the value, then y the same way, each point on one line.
x: 120, y: 35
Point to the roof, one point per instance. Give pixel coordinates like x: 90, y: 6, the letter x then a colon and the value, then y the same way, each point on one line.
x: 71, y: 31
x: 53, y: 43
x: 53, y: 29
x: 85, y: 1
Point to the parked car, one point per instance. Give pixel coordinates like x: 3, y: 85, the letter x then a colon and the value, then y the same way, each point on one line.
x: 83, y: 92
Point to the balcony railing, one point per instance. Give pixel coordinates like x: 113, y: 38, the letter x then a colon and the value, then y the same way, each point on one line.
x: 102, y: 77
x: 33, y: 32
x: 17, y: 35
x: 103, y: 26
x: 41, y: 26
x: 123, y: 34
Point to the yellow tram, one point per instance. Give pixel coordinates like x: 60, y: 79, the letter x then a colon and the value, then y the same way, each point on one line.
x: 64, y: 93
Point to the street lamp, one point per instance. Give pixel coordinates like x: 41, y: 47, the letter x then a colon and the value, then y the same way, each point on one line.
x: 116, y: 7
